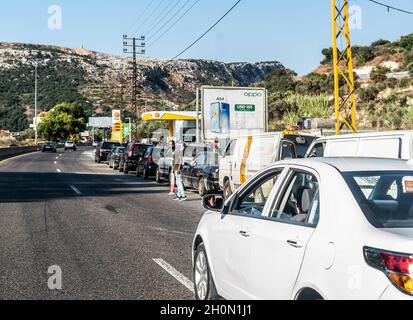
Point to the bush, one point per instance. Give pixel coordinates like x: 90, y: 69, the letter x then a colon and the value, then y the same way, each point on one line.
x: 369, y: 94
x: 406, y: 42
x: 380, y: 42
x: 316, y: 83
x: 281, y: 81
x: 379, y: 74
x: 328, y: 56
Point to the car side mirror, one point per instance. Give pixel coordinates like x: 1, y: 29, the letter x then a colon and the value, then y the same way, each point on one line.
x: 214, y: 202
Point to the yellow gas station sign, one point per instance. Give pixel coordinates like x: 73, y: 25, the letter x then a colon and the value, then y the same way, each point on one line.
x: 117, y: 134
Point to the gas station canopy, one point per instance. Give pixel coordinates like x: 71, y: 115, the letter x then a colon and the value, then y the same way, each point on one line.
x: 169, y: 116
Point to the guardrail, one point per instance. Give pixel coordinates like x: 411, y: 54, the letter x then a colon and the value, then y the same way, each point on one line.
x: 6, y: 153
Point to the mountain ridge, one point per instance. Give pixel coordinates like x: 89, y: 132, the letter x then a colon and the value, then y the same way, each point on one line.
x: 102, y: 81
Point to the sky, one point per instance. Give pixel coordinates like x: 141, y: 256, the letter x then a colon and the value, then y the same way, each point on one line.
x: 292, y: 32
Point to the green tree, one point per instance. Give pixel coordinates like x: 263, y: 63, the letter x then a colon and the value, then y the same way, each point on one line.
x: 281, y: 80
x: 62, y: 122
x: 406, y: 42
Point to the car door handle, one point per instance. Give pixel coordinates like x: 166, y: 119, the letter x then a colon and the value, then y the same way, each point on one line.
x: 245, y: 234
x: 295, y: 243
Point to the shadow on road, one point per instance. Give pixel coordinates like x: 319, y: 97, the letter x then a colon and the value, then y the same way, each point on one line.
x: 32, y: 187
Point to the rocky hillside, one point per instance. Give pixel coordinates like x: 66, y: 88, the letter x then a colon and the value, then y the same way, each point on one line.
x: 102, y: 82
x: 384, y: 88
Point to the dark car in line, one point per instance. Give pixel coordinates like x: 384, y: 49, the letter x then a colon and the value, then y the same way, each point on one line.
x: 147, y: 166
x: 202, y: 173
x: 133, y: 154
x: 49, y: 147
x: 103, y: 150
x: 114, y: 157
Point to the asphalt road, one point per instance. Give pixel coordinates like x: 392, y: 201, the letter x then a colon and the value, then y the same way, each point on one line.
x: 113, y: 236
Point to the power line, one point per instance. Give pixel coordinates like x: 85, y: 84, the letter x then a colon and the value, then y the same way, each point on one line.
x: 160, y: 17
x: 206, y: 32
x: 153, y: 12
x: 174, y: 24
x: 391, y: 7
x: 155, y: 33
x: 140, y: 16
x: 163, y: 17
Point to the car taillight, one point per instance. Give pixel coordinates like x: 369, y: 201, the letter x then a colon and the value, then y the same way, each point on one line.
x: 397, y: 266
x: 130, y: 153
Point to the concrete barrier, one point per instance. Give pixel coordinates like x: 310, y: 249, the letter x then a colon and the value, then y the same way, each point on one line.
x: 6, y: 153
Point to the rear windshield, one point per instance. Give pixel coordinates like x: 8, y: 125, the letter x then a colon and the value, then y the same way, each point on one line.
x: 140, y: 149
x: 386, y: 198
x: 109, y: 145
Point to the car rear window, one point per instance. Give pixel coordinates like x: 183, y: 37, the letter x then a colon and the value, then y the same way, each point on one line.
x: 386, y: 198
x: 109, y: 145
x: 140, y: 149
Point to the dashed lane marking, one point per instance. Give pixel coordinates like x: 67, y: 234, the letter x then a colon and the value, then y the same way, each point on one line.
x: 176, y: 274
x: 76, y: 190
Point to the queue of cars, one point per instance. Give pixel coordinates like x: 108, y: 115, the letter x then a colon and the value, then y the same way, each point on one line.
x: 336, y: 224
x: 200, y: 167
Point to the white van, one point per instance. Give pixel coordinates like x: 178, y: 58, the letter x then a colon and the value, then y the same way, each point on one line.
x: 245, y: 156
x: 391, y: 145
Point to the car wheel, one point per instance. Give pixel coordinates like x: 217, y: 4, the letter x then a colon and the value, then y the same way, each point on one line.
x: 227, y: 190
x: 202, y: 189
x: 204, y: 284
x: 158, y: 176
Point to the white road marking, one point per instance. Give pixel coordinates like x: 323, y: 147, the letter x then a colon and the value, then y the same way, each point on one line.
x: 170, y: 231
x: 76, y: 190
x: 58, y: 170
x: 176, y: 274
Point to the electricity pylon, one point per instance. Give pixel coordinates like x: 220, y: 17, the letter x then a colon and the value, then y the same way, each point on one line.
x: 344, y: 85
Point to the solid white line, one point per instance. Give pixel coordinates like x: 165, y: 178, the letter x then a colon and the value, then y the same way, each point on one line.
x: 76, y: 190
x: 58, y: 170
x: 176, y: 274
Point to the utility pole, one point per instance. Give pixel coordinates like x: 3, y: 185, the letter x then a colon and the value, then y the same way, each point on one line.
x: 35, y: 104
x: 130, y: 129
x: 134, y: 43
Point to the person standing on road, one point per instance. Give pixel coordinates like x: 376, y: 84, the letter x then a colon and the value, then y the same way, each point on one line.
x: 181, y: 195
x: 173, y: 165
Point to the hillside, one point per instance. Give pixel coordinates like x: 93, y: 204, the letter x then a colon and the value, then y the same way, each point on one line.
x: 384, y: 88
x: 101, y: 81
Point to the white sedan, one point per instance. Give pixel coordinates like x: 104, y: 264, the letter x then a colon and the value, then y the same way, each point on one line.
x: 310, y: 229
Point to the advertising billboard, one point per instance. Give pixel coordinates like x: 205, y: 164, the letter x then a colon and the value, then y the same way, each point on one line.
x: 228, y: 112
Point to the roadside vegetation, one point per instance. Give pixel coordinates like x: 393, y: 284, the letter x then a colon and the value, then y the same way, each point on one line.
x: 65, y: 121
x: 383, y: 103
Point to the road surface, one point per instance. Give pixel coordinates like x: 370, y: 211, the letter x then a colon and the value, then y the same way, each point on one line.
x: 113, y: 236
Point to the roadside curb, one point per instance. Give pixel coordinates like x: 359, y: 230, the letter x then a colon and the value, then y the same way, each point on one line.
x: 7, y: 157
